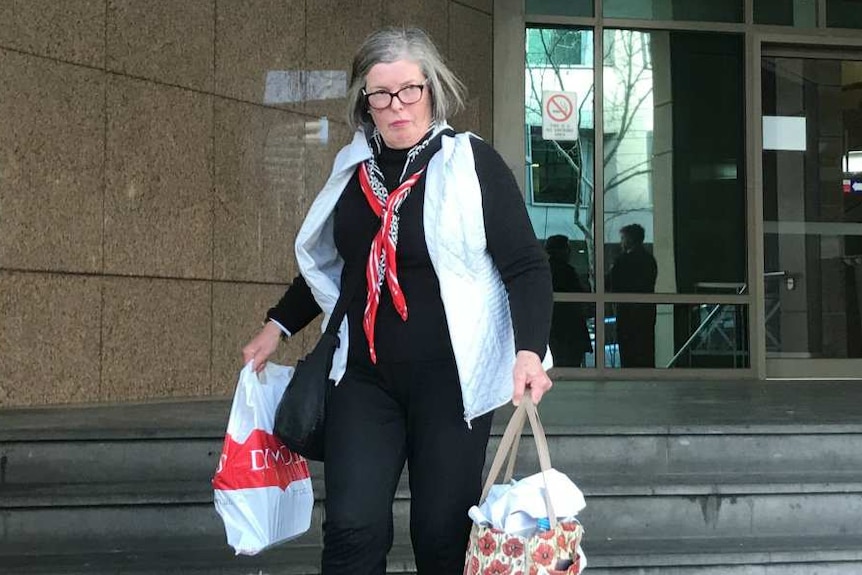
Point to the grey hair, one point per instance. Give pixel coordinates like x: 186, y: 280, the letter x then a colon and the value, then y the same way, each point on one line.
x: 412, y: 44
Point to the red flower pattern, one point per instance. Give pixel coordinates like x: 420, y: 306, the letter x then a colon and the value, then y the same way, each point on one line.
x: 496, y: 553
x: 487, y: 544
x: 513, y: 547
x: 544, y: 554
x: 497, y: 568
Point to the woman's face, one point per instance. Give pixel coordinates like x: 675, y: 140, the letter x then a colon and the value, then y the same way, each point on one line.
x: 401, y: 125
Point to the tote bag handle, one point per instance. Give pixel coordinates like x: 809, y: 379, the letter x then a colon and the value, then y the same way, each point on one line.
x: 509, y: 446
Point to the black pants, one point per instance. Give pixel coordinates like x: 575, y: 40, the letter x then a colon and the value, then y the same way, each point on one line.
x: 378, y: 418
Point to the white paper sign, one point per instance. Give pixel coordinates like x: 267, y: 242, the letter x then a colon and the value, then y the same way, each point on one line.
x: 784, y: 133
x: 559, y: 115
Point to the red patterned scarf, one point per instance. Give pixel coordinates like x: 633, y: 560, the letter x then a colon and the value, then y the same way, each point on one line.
x: 382, y: 260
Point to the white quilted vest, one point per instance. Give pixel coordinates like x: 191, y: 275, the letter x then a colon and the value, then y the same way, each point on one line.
x: 474, y: 297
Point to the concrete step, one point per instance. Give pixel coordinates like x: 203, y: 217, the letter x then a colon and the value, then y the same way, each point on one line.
x: 680, y: 485
x: 286, y: 560
x: 129, y: 525
x: 749, y: 481
x: 819, y: 568
x: 711, y: 556
x: 122, y: 528
x: 702, y: 555
x: 169, y: 492
x: 598, y: 459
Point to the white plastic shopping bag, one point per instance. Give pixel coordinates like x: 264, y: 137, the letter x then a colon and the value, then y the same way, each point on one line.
x: 262, y: 490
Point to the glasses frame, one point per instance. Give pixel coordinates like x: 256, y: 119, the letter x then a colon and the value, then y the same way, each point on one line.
x: 392, y: 95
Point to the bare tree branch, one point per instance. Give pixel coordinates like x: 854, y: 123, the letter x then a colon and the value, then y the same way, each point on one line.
x: 625, y: 53
x: 629, y: 177
x: 615, y: 180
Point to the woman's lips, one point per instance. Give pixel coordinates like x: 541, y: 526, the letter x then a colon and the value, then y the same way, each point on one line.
x: 399, y: 123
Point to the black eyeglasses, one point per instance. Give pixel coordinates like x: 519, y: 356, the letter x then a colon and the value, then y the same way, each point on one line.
x: 381, y: 99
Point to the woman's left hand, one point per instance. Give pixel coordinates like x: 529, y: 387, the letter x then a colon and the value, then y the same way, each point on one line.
x: 529, y: 373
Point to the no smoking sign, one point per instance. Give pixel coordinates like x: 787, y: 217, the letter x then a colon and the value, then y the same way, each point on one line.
x: 559, y: 115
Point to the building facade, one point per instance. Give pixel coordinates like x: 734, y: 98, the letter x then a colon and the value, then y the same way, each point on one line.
x: 156, y: 159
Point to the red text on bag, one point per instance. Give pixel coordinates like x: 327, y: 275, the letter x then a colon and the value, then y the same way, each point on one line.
x: 261, y: 461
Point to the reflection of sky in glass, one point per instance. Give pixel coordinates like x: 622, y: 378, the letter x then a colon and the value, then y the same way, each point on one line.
x: 569, y: 67
x: 288, y: 86
x: 628, y: 127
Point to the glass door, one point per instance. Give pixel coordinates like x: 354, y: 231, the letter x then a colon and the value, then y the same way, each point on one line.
x: 812, y: 213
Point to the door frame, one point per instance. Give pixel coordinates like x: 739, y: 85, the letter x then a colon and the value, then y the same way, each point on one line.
x: 793, y: 45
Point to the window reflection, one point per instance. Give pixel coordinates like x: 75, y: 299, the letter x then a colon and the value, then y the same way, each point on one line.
x: 786, y: 12
x: 644, y: 335
x: 695, y: 10
x: 571, y: 338
x: 559, y: 178
x: 843, y: 14
x: 674, y: 156
x: 560, y: 7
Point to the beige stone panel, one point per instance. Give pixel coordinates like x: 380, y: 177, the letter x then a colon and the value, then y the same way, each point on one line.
x: 238, y: 312
x: 334, y: 30
x: 255, y: 40
x: 156, y: 337
x: 51, y: 164
x: 260, y: 158
x: 471, y: 46
x: 430, y: 15
x: 164, y: 40
x: 71, y: 30
x: 486, y: 6
x: 158, y: 213
x: 49, y: 338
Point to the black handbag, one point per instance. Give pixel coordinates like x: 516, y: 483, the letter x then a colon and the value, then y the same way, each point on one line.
x: 301, y: 414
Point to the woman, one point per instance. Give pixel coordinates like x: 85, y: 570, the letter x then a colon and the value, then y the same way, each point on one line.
x: 436, y: 224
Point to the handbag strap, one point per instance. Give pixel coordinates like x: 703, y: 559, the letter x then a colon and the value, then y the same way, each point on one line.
x: 509, y: 444
x: 350, y: 286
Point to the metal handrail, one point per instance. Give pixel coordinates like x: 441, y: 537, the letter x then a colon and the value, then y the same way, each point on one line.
x: 715, y: 311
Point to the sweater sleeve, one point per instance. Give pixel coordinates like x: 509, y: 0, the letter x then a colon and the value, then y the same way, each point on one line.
x: 296, y: 308
x: 515, y: 250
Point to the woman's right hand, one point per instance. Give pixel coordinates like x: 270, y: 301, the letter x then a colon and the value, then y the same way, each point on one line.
x: 262, y: 346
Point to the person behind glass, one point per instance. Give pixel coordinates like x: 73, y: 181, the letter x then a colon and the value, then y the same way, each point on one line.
x: 451, y: 321
x: 634, y: 271
x: 570, y: 337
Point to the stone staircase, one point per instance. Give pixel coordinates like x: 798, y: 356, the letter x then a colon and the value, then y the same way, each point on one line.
x: 681, y: 478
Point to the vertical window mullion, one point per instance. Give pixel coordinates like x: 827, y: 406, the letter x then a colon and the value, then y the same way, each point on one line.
x: 599, y: 186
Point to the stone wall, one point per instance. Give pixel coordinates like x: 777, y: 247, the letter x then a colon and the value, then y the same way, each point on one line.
x: 156, y: 159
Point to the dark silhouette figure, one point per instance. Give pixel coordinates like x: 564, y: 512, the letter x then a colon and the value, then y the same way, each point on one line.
x: 634, y: 271
x: 570, y: 338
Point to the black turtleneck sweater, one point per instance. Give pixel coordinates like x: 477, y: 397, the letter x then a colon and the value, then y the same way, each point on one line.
x: 511, y: 243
